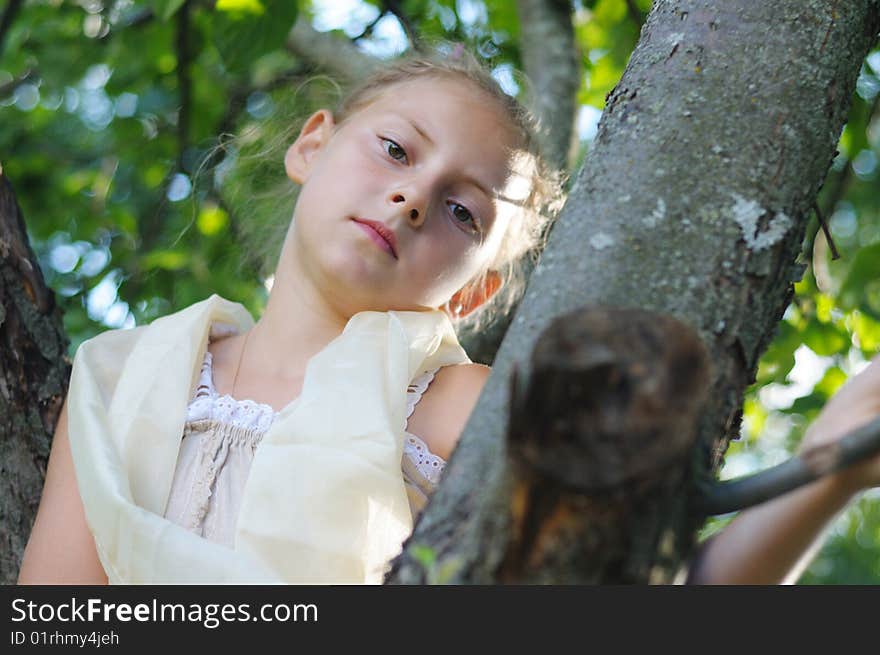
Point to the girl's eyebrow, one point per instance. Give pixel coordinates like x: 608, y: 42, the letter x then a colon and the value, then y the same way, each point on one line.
x: 418, y: 129
x: 467, y: 178
x: 474, y: 182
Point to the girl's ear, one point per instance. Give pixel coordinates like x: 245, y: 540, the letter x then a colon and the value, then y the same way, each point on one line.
x: 469, y: 298
x: 312, y: 137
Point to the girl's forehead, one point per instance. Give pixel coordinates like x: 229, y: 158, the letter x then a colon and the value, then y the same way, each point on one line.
x: 445, y: 104
x: 448, y: 113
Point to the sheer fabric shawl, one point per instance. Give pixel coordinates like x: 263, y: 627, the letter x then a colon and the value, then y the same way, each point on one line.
x: 325, y: 501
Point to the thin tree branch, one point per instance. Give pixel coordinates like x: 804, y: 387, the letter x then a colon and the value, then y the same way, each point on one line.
x: 336, y: 56
x: 826, y: 232
x: 551, y: 61
x: 9, y: 13
x: 368, y: 30
x: 839, y: 184
x: 724, y: 497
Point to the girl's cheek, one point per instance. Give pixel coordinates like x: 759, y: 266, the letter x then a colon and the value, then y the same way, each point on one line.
x: 360, y: 164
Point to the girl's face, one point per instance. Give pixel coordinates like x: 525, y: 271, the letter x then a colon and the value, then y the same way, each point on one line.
x: 429, y: 159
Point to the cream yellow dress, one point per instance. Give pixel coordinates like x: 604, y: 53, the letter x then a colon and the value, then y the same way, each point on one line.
x: 221, y: 435
x: 324, y: 500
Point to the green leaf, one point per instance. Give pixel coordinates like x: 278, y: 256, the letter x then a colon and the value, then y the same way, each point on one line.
x: 825, y: 338
x: 854, y: 138
x: 425, y: 555
x: 867, y: 330
x: 212, y: 219
x: 863, y: 276
x: 171, y: 260
x: 243, y: 30
x: 778, y: 361
x: 806, y: 405
x: 241, y: 8
x: 607, y: 12
x: 830, y: 382
x: 754, y: 417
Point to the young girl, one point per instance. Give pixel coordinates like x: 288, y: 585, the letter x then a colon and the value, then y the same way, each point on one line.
x: 313, y: 438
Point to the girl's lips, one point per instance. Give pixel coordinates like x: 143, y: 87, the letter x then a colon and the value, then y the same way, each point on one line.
x: 375, y: 236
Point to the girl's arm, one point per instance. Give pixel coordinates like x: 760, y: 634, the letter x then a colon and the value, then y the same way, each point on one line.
x: 774, y: 542
x: 61, y: 549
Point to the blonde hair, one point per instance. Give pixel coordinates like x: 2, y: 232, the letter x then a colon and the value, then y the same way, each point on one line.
x: 526, y: 234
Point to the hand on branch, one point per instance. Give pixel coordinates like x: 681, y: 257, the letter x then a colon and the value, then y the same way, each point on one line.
x: 854, y: 405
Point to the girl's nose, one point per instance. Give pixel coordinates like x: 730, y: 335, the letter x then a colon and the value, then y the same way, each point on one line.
x: 415, y: 216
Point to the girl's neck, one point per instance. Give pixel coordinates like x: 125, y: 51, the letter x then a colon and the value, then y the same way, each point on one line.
x: 296, y: 324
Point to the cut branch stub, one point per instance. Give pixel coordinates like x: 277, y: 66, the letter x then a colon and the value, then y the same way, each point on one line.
x: 600, y: 435
x: 613, y: 397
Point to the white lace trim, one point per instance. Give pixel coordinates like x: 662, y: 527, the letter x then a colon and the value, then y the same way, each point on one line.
x: 246, y: 421
x: 429, y: 464
x: 248, y: 415
x: 415, y: 390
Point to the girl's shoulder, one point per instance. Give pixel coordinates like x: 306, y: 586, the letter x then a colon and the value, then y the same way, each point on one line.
x: 443, y: 411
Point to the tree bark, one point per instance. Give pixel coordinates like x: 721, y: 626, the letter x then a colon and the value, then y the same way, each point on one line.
x: 692, y: 202
x: 34, y: 372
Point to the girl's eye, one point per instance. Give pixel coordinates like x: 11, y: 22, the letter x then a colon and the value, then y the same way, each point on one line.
x: 464, y: 215
x: 394, y: 150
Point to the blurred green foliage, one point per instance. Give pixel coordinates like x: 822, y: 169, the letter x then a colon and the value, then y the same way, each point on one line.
x: 114, y: 127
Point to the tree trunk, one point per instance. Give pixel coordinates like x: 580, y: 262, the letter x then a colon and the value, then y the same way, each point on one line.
x: 692, y: 202
x: 34, y: 372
